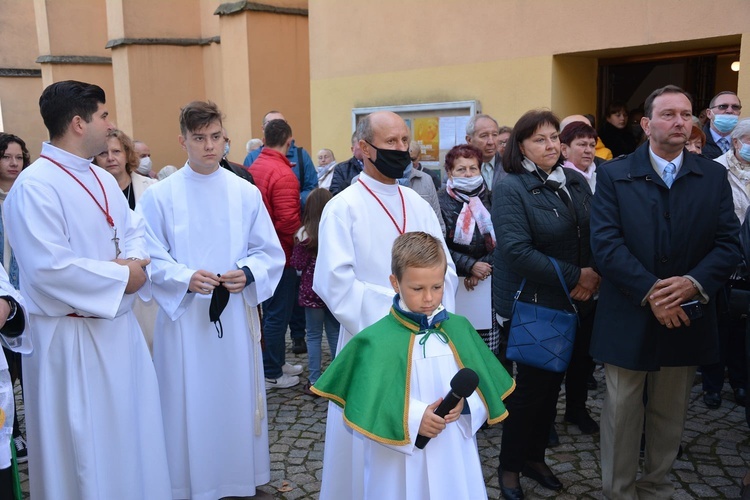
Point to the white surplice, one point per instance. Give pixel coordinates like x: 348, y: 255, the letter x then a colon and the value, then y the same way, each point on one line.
x: 448, y: 467
x: 212, y: 389
x: 351, y: 276
x: 21, y: 344
x: 90, y: 389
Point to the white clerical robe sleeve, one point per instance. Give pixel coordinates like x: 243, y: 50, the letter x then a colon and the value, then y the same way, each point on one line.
x: 355, y: 303
x: 21, y: 343
x: 265, y: 258
x: 36, y: 224
x: 170, y: 279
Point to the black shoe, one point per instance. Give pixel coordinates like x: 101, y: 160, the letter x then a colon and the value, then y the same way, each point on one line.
x: 740, y: 396
x: 509, y: 493
x: 299, y: 346
x: 550, y: 482
x: 583, y: 420
x: 554, y: 439
x: 591, y: 383
x: 712, y: 400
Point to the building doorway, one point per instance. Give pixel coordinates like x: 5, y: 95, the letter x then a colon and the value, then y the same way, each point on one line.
x: 702, y: 73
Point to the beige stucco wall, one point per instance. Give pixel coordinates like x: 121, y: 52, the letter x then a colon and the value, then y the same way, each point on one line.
x: 511, y: 55
x: 19, y: 96
x: 262, y: 64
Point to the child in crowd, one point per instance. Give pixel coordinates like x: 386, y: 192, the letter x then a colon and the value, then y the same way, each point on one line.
x: 317, y: 315
x: 390, y: 378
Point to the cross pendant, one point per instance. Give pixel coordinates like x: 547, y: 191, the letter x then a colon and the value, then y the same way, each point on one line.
x: 117, y: 244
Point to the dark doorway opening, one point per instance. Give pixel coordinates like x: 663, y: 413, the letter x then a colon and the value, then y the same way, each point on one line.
x: 703, y: 73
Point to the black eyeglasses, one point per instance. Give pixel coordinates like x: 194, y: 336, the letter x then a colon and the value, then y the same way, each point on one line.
x: 724, y: 107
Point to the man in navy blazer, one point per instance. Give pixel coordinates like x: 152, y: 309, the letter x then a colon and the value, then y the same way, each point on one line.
x: 663, y: 233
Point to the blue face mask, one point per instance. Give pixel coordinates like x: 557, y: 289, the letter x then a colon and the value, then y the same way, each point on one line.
x: 725, y: 123
x: 226, y: 148
x: 745, y: 152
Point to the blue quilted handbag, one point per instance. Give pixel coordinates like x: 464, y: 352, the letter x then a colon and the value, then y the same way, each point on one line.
x: 540, y: 336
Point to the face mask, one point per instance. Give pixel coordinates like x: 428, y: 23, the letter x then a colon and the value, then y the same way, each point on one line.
x: 467, y: 184
x: 745, y: 152
x: 219, y: 300
x: 725, y: 123
x: 391, y: 163
x: 144, y: 166
x: 226, y: 149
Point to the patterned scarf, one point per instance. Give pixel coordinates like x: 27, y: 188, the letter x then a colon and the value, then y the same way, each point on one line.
x: 473, y: 214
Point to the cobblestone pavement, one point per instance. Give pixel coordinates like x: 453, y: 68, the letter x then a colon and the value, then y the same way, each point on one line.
x: 716, y: 449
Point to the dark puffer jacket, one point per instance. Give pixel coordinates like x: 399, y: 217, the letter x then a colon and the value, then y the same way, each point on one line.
x: 464, y: 256
x: 531, y: 223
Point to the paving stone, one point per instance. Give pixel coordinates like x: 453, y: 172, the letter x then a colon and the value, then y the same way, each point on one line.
x: 717, y: 451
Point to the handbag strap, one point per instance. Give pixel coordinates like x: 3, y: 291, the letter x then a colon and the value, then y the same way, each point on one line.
x: 559, y: 276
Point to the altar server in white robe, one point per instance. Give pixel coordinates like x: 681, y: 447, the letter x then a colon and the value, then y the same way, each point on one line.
x: 357, y: 231
x: 91, y: 394
x: 212, y: 236
x: 13, y: 323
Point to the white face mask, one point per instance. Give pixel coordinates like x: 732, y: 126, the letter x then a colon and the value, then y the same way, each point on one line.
x: 467, y: 184
x: 226, y: 148
x: 144, y: 166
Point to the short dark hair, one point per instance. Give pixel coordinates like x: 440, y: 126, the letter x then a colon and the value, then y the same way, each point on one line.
x: 522, y: 130
x: 462, y: 151
x: 8, y: 139
x: 276, y: 133
x: 577, y: 130
x: 197, y: 115
x: 615, y: 107
x: 63, y: 101
x: 648, y: 107
x: 416, y: 249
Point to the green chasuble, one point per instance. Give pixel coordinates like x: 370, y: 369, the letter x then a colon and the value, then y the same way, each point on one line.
x: 370, y: 377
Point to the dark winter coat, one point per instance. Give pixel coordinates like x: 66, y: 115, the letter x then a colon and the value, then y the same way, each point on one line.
x: 464, y: 256
x: 641, y: 231
x: 343, y: 173
x: 531, y: 223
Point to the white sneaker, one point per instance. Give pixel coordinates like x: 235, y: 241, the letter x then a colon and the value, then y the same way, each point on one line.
x: 282, y: 382
x: 288, y: 369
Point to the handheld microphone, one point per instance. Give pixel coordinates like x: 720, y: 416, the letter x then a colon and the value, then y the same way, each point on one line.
x: 462, y: 386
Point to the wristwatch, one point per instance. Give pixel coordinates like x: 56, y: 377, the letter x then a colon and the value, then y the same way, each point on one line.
x: 13, y: 306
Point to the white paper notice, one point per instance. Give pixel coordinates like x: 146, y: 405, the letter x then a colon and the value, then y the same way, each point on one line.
x: 447, y: 132
x: 476, y: 305
x: 461, y: 122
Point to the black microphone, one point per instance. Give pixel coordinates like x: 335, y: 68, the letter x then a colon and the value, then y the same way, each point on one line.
x: 462, y: 386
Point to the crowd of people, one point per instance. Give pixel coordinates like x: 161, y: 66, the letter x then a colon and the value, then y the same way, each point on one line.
x: 147, y: 304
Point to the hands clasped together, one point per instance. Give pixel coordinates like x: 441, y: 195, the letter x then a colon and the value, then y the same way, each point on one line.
x: 204, y: 282
x: 587, y: 286
x: 479, y: 272
x: 665, y: 300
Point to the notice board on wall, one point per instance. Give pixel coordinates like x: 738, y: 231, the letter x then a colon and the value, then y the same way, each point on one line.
x: 437, y: 127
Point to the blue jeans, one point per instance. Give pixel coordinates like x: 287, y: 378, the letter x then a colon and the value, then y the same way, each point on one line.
x: 276, y: 314
x: 316, y: 318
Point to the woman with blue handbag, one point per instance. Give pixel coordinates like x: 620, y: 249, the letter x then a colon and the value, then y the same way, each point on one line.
x: 543, y: 276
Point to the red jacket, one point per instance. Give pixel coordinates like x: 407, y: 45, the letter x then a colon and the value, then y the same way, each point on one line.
x: 279, y: 187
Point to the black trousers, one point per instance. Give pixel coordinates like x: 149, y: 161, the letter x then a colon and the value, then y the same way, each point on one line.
x: 581, y: 364
x: 732, y: 324
x: 532, y: 408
